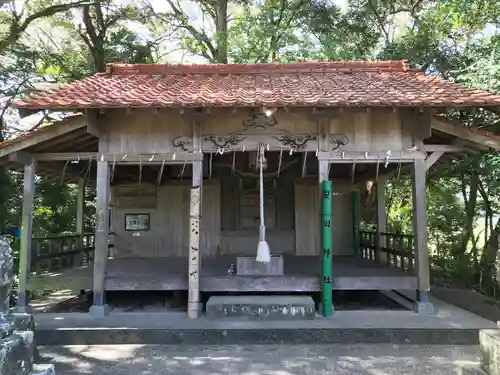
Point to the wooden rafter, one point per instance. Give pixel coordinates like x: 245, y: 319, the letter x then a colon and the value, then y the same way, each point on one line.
x: 42, y: 135
x: 463, y: 132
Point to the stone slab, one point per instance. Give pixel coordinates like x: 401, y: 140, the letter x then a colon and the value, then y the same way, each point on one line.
x: 489, y: 343
x: 261, y: 307
x: 248, y: 266
x: 43, y: 370
x: 470, y: 370
x: 16, y: 354
x: 99, y: 311
x: 452, y: 326
x: 234, y: 336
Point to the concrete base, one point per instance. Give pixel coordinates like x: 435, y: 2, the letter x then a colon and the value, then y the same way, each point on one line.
x: 17, y: 353
x: 248, y: 266
x: 23, y: 309
x: 489, y: 343
x: 99, y: 310
x: 425, y: 307
x: 43, y: 370
x: 471, y: 370
x: 261, y: 307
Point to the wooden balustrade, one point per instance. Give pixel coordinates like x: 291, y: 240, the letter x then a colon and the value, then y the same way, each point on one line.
x: 55, y: 253
x: 395, y: 249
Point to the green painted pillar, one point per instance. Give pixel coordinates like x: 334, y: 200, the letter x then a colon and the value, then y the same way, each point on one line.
x: 327, y: 248
x: 355, y: 225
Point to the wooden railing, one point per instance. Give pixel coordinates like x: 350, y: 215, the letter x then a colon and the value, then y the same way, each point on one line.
x: 55, y: 253
x: 395, y: 249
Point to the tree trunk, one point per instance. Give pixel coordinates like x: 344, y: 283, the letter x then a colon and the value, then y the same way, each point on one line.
x: 5, y: 185
x: 221, y: 31
x: 490, y: 260
x: 470, y: 200
x: 99, y: 59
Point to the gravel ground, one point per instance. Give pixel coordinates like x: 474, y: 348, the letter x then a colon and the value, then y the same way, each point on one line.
x: 260, y: 359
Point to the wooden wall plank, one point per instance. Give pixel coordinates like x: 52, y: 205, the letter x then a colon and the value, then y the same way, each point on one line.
x: 307, y: 210
x: 169, y: 226
x: 169, y: 223
x: 285, y: 204
x: 363, y: 129
x: 143, y: 131
x: 342, y: 223
x: 210, y: 218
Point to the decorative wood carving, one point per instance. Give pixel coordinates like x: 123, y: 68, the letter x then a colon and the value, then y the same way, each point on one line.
x: 183, y: 141
x: 296, y: 142
x: 260, y: 121
x: 258, y: 128
x: 224, y: 141
x: 338, y: 140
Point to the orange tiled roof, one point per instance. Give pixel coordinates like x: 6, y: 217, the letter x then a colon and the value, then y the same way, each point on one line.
x: 354, y: 83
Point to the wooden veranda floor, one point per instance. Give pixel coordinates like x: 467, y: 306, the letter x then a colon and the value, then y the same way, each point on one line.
x: 301, y: 274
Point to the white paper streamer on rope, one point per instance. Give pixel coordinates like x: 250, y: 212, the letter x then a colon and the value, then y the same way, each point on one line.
x: 304, y: 165
x: 181, y: 174
x: 388, y: 154
x: 160, y: 173
x: 113, y: 166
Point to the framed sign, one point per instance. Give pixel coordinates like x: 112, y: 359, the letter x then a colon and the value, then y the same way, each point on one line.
x: 137, y: 222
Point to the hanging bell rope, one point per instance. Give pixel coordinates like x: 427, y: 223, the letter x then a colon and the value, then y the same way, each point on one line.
x: 263, y: 252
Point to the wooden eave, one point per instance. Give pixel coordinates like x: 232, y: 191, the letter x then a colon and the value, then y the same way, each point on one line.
x: 457, y: 133
x: 68, y: 135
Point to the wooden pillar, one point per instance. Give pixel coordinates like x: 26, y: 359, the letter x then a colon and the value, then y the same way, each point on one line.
x: 381, y: 221
x: 80, y: 205
x: 26, y: 237
x: 421, y: 239
x: 327, y: 249
x: 194, y: 241
x: 99, y: 307
x: 324, y: 169
x: 356, y: 239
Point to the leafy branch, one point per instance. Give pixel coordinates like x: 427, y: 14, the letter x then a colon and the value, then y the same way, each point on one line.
x: 18, y: 26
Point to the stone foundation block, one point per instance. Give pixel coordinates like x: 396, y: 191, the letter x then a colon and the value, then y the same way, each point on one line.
x: 489, y: 343
x: 44, y: 370
x: 471, y: 370
x: 261, y: 307
x: 16, y: 354
x: 248, y: 266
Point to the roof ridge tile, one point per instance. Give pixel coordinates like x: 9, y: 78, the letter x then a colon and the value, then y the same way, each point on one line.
x: 266, y: 68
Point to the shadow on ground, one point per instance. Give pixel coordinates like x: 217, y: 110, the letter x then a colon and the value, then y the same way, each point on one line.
x: 260, y: 359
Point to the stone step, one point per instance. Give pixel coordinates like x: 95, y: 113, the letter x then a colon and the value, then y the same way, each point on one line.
x: 261, y: 307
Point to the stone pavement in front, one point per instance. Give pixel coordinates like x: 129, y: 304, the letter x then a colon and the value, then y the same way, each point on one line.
x: 335, y: 359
